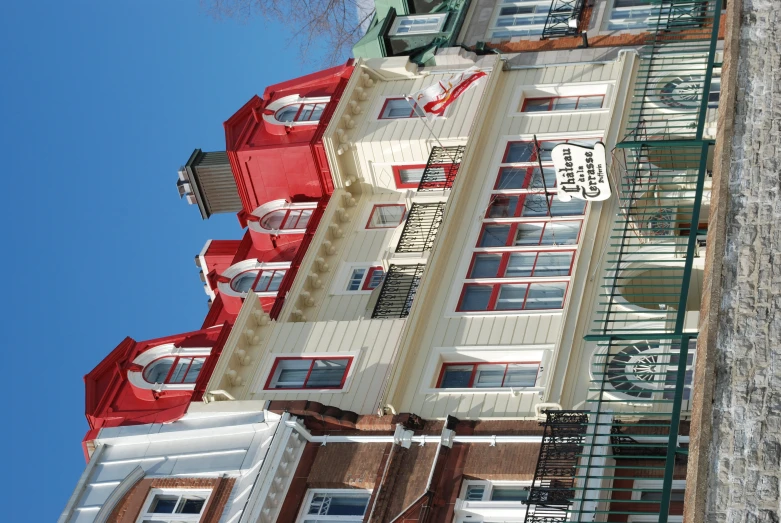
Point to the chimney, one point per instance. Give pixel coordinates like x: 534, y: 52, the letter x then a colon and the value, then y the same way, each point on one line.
x: 207, y: 181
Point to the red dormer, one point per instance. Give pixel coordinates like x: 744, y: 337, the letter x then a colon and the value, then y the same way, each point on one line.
x: 151, y: 381
x: 274, y: 143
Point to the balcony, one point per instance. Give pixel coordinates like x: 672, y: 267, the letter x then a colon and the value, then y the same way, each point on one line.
x: 563, y: 19
x: 421, y: 227
x: 441, y: 168
x: 398, y: 290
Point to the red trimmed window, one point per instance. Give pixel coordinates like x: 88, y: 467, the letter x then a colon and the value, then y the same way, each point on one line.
x: 488, y: 375
x: 529, y: 234
x: 563, y: 103
x: 409, y: 176
x: 532, y: 205
x: 547, y: 295
x: 174, y: 369
x: 364, y: 279
x: 524, y: 264
x: 300, y: 112
x: 309, y: 373
x: 286, y: 219
x: 523, y: 152
x: 386, y: 216
x: 395, y: 108
x: 266, y: 280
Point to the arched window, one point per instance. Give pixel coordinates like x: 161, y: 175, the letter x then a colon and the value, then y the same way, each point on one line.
x: 281, y: 217
x: 174, y: 370
x: 258, y: 280
x: 286, y: 219
x: 300, y: 112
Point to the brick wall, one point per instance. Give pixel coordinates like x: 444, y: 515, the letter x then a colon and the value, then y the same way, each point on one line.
x: 129, y: 507
x: 346, y: 465
x: 507, y: 462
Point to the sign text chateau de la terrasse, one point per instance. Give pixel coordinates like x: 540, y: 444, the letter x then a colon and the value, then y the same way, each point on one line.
x: 581, y: 172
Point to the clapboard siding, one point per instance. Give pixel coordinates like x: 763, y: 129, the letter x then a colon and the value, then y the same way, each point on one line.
x: 374, y: 340
x: 433, y: 323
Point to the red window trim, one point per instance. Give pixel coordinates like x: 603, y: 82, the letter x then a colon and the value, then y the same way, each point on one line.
x: 495, y: 295
x: 533, y: 156
x: 519, y: 206
x: 173, y: 368
x: 513, y: 229
x: 411, y: 110
x: 371, y: 214
x: 477, y: 364
x: 397, y: 175
x: 257, y: 278
x: 506, y: 258
x: 311, y: 365
x: 526, y: 180
x: 368, y: 278
x: 551, y: 98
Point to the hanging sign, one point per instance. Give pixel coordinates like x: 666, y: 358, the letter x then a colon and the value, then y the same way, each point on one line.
x: 434, y: 99
x: 581, y: 172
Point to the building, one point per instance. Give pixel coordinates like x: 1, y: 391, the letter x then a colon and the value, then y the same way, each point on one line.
x: 435, y: 330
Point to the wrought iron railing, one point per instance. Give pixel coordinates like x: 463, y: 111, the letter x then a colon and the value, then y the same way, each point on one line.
x: 645, y: 330
x: 441, y: 168
x: 563, y: 18
x: 421, y: 227
x: 398, y: 290
x: 552, y: 490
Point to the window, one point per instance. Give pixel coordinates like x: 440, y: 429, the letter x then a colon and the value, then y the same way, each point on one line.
x: 339, y: 506
x: 266, y: 280
x: 562, y: 103
x: 521, y: 264
x: 301, y: 112
x: 418, y: 24
x: 309, y: 373
x: 173, y: 505
x: 644, y: 14
x: 364, y: 279
x: 520, y: 18
x: 174, y: 369
x: 386, y: 216
x: 409, y: 176
x: 286, y: 219
x: 529, y: 234
x: 512, y: 297
x: 400, y: 108
x: 485, y: 375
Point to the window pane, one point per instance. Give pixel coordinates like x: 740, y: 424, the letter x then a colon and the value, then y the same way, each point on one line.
x: 273, y: 220
x: 410, y: 175
x: 456, y: 376
x: 475, y: 493
x: 375, y: 278
x: 177, y: 376
x: 511, y: 297
x: 287, y: 114
x: 521, y: 375
x: 553, y: 264
x: 536, y: 181
x: 520, y: 265
x: 476, y: 298
x: 546, y: 295
x: 326, y: 373
x: 535, y: 205
x: 275, y: 281
x: 195, y: 369
x: 163, y: 504
x: 590, y: 102
x: 565, y: 104
x: 191, y: 505
x: 519, y: 152
x: 503, y: 206
x: 574, y: 207
x: 528, y: 233
x: 356, y: 277
x: 243, y: 282
x: 158, y: 370
x: 341, y: 504
x: 486, y: 266
x: 533, y: 105
x: 511, y: 178
x: 561, y: 233
x: 489, y: 376
x: 291, y: 373
x: 387, y: 216
x: 546, y: 148
x: 263, y: 281
x: 494, y: 236
x: 504, y: 493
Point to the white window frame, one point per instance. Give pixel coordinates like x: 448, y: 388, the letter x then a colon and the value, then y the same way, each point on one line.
x: 487, y: 510
x: 343, y: 277
x: 303, y: 515
x: 244, y: 266
x: 136, y: 378
x: 441, y: 18
x: 538, y: 27
x: 653, y: 484
x: 270, y: 111
x: 144, y: 515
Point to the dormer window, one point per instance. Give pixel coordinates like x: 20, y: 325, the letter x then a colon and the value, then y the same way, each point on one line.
x: 281, y: 217
x: 295, y: 110
x: 174, y: 369
x: 168, y: 367
x: 262, y: 278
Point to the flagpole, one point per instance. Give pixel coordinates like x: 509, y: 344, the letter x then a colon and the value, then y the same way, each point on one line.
x: 414, y: 108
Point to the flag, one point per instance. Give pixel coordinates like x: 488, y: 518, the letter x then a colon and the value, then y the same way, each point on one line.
x: 434, y: 99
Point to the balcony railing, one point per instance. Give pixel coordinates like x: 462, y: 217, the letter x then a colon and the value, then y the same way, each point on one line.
x: 421, y: 227
x: 563, y: 18
x: 441, y: 168
x: 398, y: 290
x: 552, y: 490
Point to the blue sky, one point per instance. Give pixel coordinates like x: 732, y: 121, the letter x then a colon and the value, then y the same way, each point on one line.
x: 100, y: 103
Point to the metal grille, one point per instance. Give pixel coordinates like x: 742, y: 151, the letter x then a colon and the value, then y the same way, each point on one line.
x: 563, y: 19
x: 398, y: 290
x: 421, y: 227
x: 441, y: 168
x: 552, y: 489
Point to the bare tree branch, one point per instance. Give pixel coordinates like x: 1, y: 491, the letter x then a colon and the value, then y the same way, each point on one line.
x: 334, y: 25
